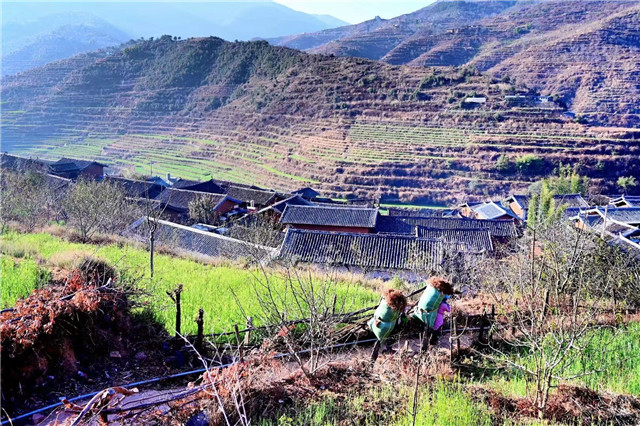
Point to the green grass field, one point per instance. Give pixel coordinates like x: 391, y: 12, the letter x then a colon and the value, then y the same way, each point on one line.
x: 205, y: 286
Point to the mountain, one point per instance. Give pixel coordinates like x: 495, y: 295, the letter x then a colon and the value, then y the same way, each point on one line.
x: 585, y: 52
x: 61, y: 42
x: 229, y: 20
x: 272, y: 116
x: 34, y: 34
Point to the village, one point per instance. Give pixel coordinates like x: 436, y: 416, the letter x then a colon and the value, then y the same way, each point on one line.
x: 356, y: 234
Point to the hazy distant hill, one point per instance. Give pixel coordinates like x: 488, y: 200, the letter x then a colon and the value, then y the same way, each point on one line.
x: 61, y: 42
x: 585, y: 51
x: 37, y: 33
x: 254, y: 113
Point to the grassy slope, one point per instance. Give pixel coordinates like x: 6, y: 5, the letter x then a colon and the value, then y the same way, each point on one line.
x: 205, y: 286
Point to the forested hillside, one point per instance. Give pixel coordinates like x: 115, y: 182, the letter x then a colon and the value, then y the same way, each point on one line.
x: 254, y: 113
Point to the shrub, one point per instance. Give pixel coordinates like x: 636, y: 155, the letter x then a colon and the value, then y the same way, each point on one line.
x: 529, y: 164
x: 504, y: 164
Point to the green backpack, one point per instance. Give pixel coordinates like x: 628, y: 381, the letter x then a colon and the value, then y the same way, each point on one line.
x: 427, y: 308
x: 388, y: 318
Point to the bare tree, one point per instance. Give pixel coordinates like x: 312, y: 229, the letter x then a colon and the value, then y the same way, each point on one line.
x: 203, y: 209
x: 23, y: 198
x: 153, y: 211
x: 302, y: 311
x: 552, y: 299
x: 94, y: 206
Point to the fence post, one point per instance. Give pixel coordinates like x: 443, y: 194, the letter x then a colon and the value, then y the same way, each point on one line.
x: 455, y: 333
x: 247, y: 334
x: 333, y: 306
x: 483, y: 321
x: 200, y: 336
x: 238, y: 341
x: 175, y: 296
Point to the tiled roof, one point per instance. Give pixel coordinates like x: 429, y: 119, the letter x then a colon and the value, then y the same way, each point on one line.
x: 56, y: 185
x: 629, y: 215
x: 522, y: 200
x: 207, y: 186
x: 307, y: 192
x: 21, y: 164
x: 489, y: 210
x: 259, y: 197
x: 397, y: 211
x: 136, y: 188
x: 629, y: 200
x: 394, y: 225
x: 571, y: 200
x: 201, y: 242
x: 71, y: 164
x: 330, y: 216
x: 369, y: 251
x: 279, y: 207
x: 628, y: 246
x: 179, y: 199
x: 475, y: 240
x: 497, y: 228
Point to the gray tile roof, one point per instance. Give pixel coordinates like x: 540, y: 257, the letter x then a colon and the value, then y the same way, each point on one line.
x: 394, y: 225
x: 296, y: 200
x: 330, y: 216
x: 475, y: 240
x: 629, y: 215
x: 572, y: 200
x: 21, y: 164
x: 179, y: 199
x: 397, y: 211
x: 497, y: 228
x: 192, y: 240
x: 207, y: 186
x: 136, y: 188
x: 247, y: 195
x: 628, y: 246
x: 630, y: 200
x: 368, y: 251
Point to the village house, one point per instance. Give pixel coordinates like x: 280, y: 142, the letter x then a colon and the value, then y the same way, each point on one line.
x: 337, y: 219
x: 273, y: 213
x: 175, y: 203
x: 366, y: 252
x: 209, y: 186
x: 488, y: 211
x: 254, y: 199
x: 464, y: 240
x: 136, y: 189
x: 74, y: 169
x: 519, y: 205
x: 307, y: 193
x: 625, y: 201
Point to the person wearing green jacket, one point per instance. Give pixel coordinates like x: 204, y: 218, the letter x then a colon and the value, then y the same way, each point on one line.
x: 385, y: 317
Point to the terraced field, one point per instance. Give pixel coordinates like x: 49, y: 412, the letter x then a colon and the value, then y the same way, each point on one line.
x: 342, y: 125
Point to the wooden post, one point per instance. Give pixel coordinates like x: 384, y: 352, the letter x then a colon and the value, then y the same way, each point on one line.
x: 513, y: 327
x: 482, y: 326
x: 247, y: 334
x: 455, y: 333
x: 200, y: 336
x: 238, y: 341
x: 175, y: 296
x: 333, y: 306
